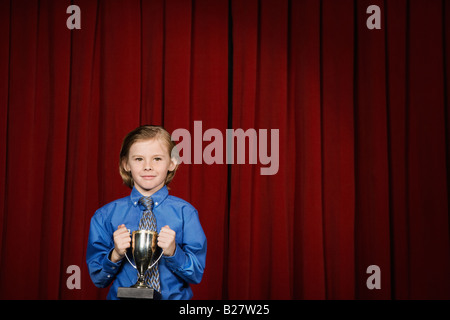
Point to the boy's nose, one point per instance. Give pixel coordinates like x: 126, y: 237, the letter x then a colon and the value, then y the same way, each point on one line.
x: 148, y: 166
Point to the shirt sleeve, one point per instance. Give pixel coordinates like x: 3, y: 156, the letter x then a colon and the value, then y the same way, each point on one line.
x: 100, y: 244
x: 188, y: 261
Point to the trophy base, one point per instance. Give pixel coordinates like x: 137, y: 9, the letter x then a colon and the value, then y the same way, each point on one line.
x: 138, y: 293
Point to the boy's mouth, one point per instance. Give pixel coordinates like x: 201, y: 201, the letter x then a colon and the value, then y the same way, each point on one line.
x: 148, y: 177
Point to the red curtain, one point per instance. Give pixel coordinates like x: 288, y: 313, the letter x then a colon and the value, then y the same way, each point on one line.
x: 363, y: 143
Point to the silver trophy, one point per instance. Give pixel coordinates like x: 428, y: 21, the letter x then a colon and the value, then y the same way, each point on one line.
x: 146, y: 255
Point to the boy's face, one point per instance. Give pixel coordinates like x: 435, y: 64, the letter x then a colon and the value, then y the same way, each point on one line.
x: 149, y: 161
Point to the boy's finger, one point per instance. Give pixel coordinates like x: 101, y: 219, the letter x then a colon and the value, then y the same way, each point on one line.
x: 123, y: 235
x: 166, y: 229
x: 126, y: 244
x: 122, y: 230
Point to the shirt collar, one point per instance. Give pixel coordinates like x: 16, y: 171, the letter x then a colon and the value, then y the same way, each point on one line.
x: 158, y: 197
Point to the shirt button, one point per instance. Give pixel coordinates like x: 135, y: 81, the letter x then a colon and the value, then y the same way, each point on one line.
x: 135, y: 203
x: 113, y: 267
x: 109, y: 276
x: 156, y: 203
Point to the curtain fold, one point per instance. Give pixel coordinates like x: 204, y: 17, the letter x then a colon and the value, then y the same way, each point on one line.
x: 355, y: 120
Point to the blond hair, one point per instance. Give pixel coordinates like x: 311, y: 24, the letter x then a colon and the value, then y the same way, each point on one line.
x: 145, y: 132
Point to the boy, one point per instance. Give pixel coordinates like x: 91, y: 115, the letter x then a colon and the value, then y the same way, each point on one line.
x: 147, y: 167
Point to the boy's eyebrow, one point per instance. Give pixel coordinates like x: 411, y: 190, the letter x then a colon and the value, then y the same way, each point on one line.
x: 155, y: 155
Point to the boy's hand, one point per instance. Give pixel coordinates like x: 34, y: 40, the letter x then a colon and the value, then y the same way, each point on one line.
x: 166, y: 241
x: 122, y: 241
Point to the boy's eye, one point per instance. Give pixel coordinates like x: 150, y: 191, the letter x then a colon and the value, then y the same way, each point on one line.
x: 158, y: 159
x: 138, y: 159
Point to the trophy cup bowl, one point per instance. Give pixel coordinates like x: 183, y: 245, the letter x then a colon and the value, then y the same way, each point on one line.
x: 144, y: 249
x: 146, y: 254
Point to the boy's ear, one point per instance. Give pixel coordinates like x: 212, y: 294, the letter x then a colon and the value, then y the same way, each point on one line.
x: 125, y: 165
x: 173, y: 164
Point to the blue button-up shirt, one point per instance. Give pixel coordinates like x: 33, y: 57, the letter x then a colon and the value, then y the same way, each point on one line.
x: 176, y: 272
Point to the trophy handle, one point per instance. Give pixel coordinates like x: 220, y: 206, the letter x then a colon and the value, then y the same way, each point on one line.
x: 162, y: 251
x: 130, y: 261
